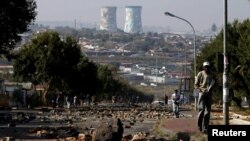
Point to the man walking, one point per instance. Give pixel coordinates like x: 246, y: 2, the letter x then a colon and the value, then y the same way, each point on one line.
x: 204, y: 83
x: 175, y: 100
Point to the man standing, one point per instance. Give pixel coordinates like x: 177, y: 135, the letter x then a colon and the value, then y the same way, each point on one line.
x: 204, y: 83
x: 175, y: 100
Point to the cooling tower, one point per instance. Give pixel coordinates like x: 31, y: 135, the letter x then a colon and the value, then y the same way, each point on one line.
x: 133, y: 19
x: 108, y: 19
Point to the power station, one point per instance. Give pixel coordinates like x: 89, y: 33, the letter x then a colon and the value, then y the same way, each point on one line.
x: 108, y: 18
x: 133, y: 19
x: 132, y: 23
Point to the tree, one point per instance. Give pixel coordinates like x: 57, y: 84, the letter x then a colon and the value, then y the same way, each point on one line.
x: 106, y: 79
x: 57, y: 62
x: 15, y: 16
x: 238, y: 50
x: 48, y: 59
x: 84, y: 81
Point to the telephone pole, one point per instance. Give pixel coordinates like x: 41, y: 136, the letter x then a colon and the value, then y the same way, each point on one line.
x: 225, y: 71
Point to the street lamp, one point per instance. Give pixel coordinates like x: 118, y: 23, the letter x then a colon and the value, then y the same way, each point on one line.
x: 194, y: 41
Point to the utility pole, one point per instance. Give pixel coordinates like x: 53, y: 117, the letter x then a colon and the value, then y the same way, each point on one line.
x: 225, y: 71
x: 156, y: 68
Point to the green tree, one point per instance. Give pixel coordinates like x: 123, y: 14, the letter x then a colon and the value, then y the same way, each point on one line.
x: 15, y: 16
x: 238, y: 50
x: 48, y: 59
x: 57, y: 62
x: 106, y: 79
x: 84, y: 81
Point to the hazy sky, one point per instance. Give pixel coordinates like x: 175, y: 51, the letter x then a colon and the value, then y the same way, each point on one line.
x: 200, y: 13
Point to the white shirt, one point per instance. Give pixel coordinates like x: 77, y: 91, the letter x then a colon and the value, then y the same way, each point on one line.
x: 175, y: 97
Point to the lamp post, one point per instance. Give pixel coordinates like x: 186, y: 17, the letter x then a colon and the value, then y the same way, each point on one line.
x: 225, y: 71
x: 194, y: 41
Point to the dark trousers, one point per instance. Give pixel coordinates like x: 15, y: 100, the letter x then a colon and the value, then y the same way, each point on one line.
x: 176, y: 109
x: 204, y: 106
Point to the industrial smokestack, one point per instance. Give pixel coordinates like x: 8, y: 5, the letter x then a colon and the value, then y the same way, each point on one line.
x: 108, y: 18
x: 133, y: 19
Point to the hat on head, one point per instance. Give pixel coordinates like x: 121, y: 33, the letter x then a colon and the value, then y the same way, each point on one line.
x: 206, y: 64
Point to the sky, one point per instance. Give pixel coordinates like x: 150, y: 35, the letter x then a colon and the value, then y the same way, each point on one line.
x: 200, y: 13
